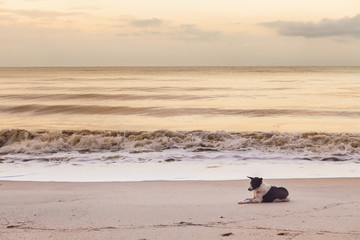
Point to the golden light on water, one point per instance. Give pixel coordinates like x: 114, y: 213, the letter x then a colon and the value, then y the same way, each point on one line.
x: 231, y: 99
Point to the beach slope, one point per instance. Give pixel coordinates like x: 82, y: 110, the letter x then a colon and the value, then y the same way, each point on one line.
x: 319, y: 209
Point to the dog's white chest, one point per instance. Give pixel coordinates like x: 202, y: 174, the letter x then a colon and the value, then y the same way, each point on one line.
x: 261, y: 191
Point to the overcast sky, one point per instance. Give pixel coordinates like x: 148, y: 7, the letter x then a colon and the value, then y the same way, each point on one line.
x: 179, y: 32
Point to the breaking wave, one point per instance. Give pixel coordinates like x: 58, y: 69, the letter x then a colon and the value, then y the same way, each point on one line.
x: 334, y: 145
x: 41, y: 109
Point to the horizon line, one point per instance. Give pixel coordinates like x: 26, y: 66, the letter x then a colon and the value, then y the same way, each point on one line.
x: 175, y: 66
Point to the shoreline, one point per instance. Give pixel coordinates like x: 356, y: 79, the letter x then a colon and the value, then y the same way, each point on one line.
x: 180, y: 180
x: 173, y: 167
x: 319, y: 208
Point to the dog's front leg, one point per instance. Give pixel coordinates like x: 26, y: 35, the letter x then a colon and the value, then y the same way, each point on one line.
x: 250, y: 200
x: 247, y: 200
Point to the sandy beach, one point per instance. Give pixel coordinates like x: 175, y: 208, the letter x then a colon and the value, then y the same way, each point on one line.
x: 319, y: 209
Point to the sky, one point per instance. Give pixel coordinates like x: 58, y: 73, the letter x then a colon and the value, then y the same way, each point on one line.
x: 179, y: 33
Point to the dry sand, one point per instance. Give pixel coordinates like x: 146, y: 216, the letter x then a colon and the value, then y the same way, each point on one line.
x: 319, y: 209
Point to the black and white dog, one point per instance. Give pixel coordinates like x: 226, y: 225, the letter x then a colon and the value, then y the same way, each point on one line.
x: 265, y: 193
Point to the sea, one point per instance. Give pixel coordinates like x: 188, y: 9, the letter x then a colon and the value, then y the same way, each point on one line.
x: 114, y: 124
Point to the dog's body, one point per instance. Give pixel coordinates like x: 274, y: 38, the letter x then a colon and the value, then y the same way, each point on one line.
x: 265, y: 193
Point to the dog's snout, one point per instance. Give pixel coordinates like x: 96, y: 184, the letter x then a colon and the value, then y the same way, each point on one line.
x: 250, y: 189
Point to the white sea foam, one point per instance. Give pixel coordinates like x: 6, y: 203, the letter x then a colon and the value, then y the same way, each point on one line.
x: 168, y: 155
x: 172, y: 164
x: 308, y: 146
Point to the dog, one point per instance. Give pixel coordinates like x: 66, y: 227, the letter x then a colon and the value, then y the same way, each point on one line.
x: 265, y: 193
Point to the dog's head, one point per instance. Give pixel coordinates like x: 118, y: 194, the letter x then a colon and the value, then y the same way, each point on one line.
x: 255, y: 183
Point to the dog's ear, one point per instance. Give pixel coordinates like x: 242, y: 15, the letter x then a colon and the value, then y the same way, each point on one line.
x: 250, y: 177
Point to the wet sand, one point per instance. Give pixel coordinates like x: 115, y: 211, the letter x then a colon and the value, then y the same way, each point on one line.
x: 319, y: 209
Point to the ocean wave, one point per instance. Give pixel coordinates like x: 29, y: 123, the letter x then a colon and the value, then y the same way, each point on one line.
x: 40, y: 109
x: 336, y: 145
x: 96, y: 96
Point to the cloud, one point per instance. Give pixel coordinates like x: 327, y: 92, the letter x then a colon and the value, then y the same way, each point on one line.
x: 7, y: 19
x: 143, y: 23
x: 166, y: 29
x: 191, y: 32
x: 86, y: 8
x: 38, y: 13
x: 325, y: 28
